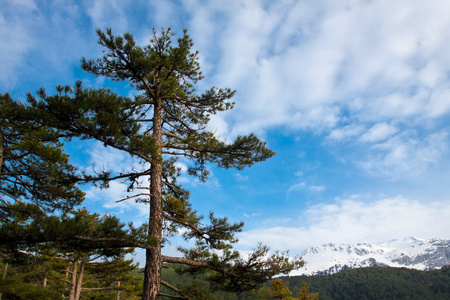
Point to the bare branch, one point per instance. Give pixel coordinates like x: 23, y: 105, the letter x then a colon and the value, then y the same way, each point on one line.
x: 133, y: 196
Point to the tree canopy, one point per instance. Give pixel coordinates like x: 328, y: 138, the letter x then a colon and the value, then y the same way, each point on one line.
x: 33, y: 165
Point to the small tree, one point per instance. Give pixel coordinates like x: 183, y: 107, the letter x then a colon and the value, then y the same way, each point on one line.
x: 305, y: 294
x: 165, y: 120
x: 280, y: 290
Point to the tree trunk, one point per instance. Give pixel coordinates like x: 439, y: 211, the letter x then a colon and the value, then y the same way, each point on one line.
x: 1, y: 155
x: 152, y: 273
x: 80, y: 280
x: 73, y: 281
x: 118, y: 292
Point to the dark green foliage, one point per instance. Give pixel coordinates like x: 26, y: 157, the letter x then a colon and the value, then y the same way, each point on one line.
x: 46, y: 273
x: 378, y: 283
x: 77, y: 230
x: 365, y: 283
x: 33, y: 166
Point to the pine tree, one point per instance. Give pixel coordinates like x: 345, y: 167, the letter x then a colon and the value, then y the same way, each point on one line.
x: 92, y: 275
x: 165, y: 120
x: 33, y: 167
x: 86, y: 246
x: 35, y: 178
x: 279, y: 290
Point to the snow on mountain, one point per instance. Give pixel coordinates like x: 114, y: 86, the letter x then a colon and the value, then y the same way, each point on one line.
x: 411, y: 252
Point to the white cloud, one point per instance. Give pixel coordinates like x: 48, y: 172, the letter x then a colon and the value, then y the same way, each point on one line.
x: 406, y: 155
x: 37, y: 37
x: 304, y: 186
x: 312, y: 66
x: 251, y: 215
x: 379, y: 132
x: 240, y: 177
x: 182, y: 166
x: 107, y: 158
x: 354, y: 220
x: 298, y: 174
x: 102, y: 12
x: 345, y: 132
x: 297, y: 187
x: 16, y: 37
x: 317, y: 188
x: 108, y: 198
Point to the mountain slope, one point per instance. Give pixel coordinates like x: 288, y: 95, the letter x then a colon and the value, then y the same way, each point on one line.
x: 414, y: 253
x: 377, y: 284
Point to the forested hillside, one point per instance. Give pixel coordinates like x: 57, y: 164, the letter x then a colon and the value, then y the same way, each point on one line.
x: 378, y: 283
x: 34, y: 278
x: 363, y: 283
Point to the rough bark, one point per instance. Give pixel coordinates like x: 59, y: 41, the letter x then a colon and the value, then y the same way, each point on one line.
x: 118, y: 292
x: 73, y: 281
x: 1, y: 155
x: 79, y: 281
x: 152, y: 275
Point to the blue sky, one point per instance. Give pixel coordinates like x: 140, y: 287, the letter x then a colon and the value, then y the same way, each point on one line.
x: 354, y: 96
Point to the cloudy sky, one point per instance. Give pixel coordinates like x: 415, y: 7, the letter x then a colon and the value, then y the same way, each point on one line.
x: 353, y: 95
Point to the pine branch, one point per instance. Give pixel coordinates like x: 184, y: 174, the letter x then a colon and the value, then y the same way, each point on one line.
x: 170, y: 296
x: 174, y: 289
x: 193, y: 263
x: 133, y: 196
x: 201, y: 233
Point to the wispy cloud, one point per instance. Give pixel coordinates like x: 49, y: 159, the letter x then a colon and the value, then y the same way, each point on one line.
x: 379, y: 132
x: 406, y: 154
x: 17, y: 37
x: 109, y: 200
x: 240, y: 177
x: 304, y: 186
x: 346, y: 132
x: 364, y: 71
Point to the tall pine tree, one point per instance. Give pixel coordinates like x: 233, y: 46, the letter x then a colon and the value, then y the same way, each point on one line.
x: 165, y: 120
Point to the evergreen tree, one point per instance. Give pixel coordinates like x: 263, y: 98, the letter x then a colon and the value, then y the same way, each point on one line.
x: 77, y: 248
x: 36, y: 179
x: 44, y: 273
x: 165, y: 120
x: 280, y: 290
x: 305, y: 294
x: 90, y: 275
x: 35, y: 173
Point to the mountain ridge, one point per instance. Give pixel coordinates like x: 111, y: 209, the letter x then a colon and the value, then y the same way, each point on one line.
x: 410, y: 252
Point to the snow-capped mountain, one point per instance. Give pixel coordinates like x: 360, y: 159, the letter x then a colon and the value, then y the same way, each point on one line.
x: 415, y: 253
